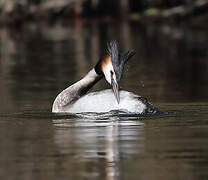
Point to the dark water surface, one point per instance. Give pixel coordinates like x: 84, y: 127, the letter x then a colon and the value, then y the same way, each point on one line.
x: 170, y: 69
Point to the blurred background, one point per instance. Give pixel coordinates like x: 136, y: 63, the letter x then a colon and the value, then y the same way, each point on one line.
x: 17, y: 12
x: 46, y: 45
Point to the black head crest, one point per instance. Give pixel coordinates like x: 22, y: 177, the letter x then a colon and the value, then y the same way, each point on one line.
x: 125, y: 56
x: 118, y: 59
x: 112, y: 50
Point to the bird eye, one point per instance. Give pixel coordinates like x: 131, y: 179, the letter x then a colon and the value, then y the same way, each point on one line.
x: 111, y: 72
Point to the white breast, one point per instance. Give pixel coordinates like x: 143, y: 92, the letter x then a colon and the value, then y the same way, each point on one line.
x: 104, y: 101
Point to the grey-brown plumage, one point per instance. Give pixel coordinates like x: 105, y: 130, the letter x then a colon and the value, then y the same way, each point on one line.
x: 71, y: 94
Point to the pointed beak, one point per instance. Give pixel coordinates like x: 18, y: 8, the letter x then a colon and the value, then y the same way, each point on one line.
x: 115, y: 89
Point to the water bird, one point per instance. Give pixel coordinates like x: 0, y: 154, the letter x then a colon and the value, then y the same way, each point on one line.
x: 76, y: 99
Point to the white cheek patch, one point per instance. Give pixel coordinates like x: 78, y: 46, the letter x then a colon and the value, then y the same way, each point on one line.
x: 107, y: 72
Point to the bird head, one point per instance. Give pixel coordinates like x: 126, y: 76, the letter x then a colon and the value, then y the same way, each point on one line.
x: 112, y: 65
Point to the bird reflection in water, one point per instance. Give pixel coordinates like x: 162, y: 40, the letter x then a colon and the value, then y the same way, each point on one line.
x: 86, y: 140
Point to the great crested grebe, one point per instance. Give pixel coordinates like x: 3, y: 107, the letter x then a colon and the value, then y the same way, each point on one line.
x: 75, y: 99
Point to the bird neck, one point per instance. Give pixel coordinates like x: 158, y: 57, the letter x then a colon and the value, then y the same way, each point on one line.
x: 71, y: 94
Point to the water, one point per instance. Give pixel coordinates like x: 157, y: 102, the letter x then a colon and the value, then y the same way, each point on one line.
x: 170, y: 69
